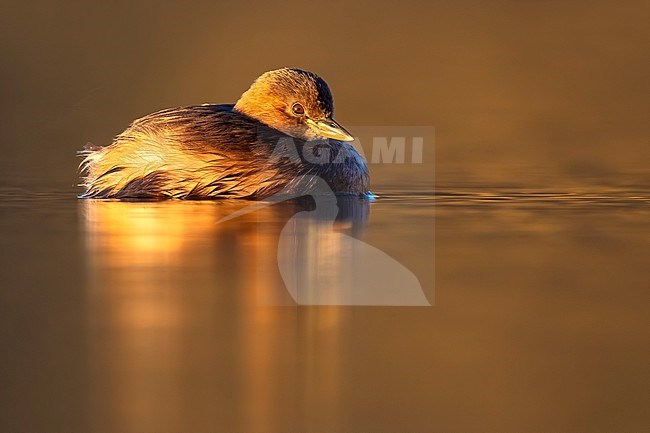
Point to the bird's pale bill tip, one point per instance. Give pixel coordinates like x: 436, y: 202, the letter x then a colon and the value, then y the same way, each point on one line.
x: 329, y: 128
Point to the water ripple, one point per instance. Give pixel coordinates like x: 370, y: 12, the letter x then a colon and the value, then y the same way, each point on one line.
x: 459, y: 198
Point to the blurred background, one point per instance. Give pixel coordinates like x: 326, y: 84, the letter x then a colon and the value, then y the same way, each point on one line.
x: 538, y: 90
x: 146, y: 317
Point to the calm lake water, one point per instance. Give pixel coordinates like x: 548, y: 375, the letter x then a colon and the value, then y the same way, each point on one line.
x: 137, y: 317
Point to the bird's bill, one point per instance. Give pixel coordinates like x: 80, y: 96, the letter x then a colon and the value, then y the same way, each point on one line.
x: 330, y: 129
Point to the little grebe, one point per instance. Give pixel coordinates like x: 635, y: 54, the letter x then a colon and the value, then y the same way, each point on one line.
x: 281, y: 129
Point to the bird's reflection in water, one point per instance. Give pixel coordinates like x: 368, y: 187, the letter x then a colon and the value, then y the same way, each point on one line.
x: 186, y: 328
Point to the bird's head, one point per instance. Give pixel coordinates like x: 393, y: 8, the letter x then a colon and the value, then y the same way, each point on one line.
x: 295, y: 102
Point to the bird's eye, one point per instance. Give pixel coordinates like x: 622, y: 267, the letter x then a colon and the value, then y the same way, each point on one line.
x: 297, y: 109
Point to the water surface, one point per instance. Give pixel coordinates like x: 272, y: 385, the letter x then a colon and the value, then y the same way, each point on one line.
x: 154, y: 317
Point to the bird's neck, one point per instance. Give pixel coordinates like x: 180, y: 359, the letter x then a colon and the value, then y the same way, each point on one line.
x: 258, y: 105
x: 263, y: 107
